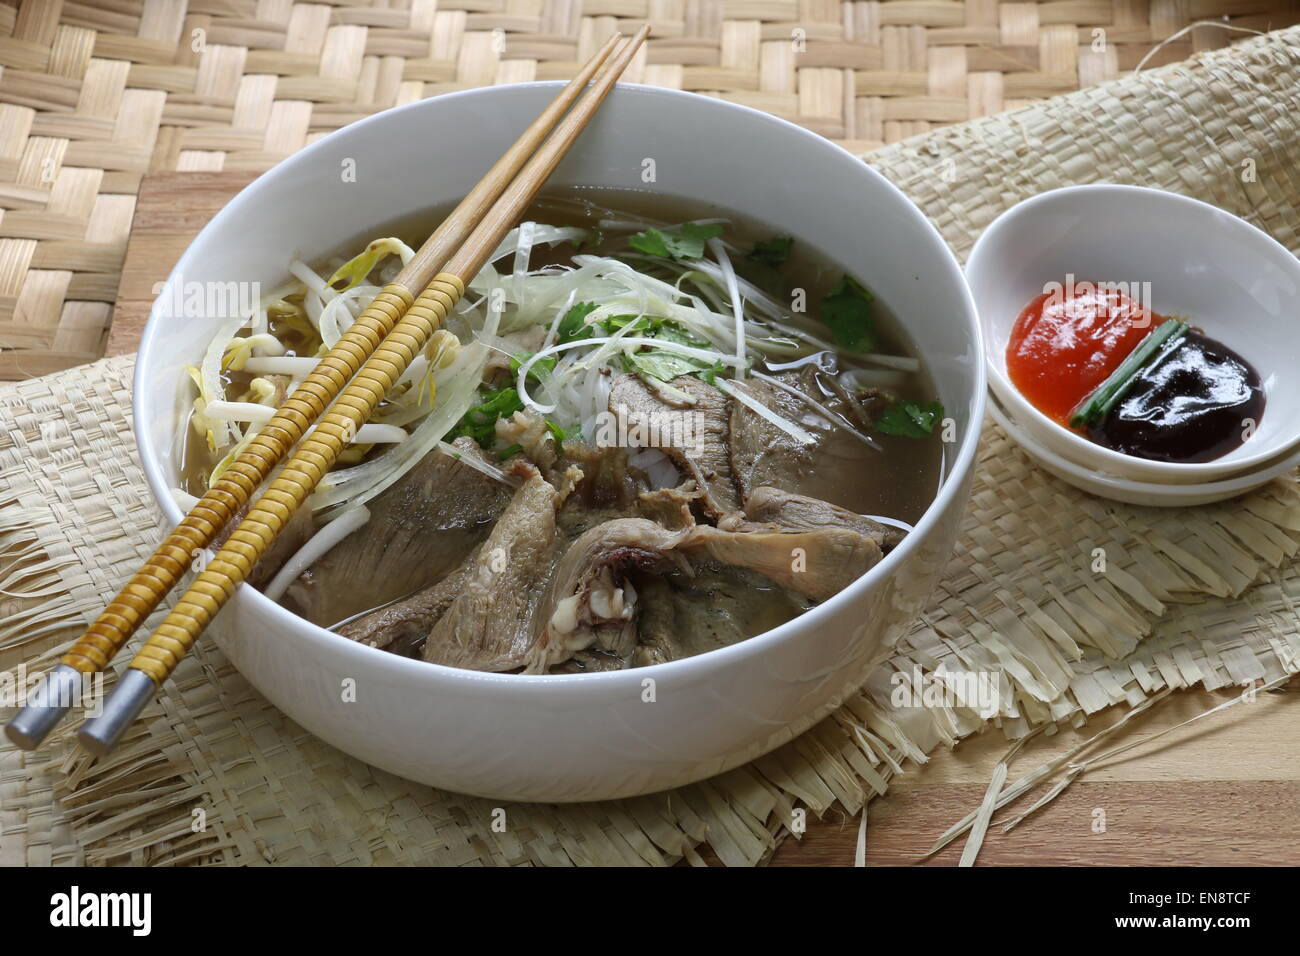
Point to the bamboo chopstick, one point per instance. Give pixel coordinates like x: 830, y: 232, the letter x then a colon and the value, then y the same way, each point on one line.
x: 318, y: 451
x: 51, y: 700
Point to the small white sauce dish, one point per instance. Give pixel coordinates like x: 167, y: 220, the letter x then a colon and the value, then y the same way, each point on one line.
x: 1179, y: 257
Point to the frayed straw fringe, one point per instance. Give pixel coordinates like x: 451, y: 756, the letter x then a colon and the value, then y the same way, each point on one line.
x: 1197, y: 597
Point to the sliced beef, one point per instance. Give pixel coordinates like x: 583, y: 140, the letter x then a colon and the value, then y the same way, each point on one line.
x: 670, y: 507
x: 694, y: 436
x: 614, y: 650
x: 530, y: 433
x: 490, y: 626
x: 607, y: 481
x: 717, y: 606
x: 590, y: 599
x: 816, y: 564
x: 784, y: 511
x: 594, y: 594
x: 420, y: 530
x: 401, y: 627
x: 861, y: 407
x: 762, y: 453
x: 835, y: 467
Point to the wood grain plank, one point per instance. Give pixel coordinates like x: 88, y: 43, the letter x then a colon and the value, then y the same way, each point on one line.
x: 1225, y: 791
x: 170, y: 211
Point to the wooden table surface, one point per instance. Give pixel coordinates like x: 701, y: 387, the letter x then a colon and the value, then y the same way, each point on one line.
x: 1225, y: 791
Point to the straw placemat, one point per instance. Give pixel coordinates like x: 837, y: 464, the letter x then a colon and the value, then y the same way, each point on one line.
x: 95, y: 95
x: 1203, y: 596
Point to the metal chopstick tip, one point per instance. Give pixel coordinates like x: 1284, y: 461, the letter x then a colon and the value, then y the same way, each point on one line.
x: 100, y: 735
x: 49, y: 701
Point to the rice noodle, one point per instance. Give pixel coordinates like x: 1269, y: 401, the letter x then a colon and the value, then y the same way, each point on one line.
x: 891, y: 522
x: 659, y: 468
x: 184, y: 499
x: 374, y: 434
x: 338, y: 314
x: 904, y: 363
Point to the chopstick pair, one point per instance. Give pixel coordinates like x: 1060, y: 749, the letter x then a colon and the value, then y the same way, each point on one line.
x: 353, y: 377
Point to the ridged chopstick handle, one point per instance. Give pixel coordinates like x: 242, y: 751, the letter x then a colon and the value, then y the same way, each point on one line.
x: 299, y: 478
x: 148, y: 586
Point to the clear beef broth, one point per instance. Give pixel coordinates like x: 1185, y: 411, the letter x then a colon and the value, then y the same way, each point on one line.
x: 679, y: 614
x: 852, y: 476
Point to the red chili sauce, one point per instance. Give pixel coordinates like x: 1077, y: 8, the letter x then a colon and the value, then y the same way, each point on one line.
x: 1068, y: 340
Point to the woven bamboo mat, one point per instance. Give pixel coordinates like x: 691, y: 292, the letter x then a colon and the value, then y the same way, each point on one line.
x: 1195, y: 597
x: 95, y: 94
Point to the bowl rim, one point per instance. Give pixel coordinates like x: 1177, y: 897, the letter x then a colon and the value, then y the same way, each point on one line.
x: 1278, y: 465
x: 1038, y: 423
x: 396, y: 666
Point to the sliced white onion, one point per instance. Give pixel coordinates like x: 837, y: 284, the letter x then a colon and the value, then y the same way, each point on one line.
x: 739, y: 394
x: 456, y: 394
x: 703, y: 355
x: 737, y: 306
x: 832, y: 419
x: 477, y: 463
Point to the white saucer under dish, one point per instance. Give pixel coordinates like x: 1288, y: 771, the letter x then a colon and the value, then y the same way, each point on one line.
x: 1138, y: 492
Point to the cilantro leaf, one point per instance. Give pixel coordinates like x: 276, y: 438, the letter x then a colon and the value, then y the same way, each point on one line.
x: 847, y: 310
x: 686, y: 243
x: 641, y: 324
x: 662, y: 364
x: 652, y: 242
x: 711, y: 373
x: 771, y: 252
x: 572, y: 328
x: 910, y: 419
x: 650, y: 362
x: 540, y: 369
x: 480, y: 422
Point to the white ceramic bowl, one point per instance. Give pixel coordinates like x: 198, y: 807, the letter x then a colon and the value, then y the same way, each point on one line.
x: 593, y: 736
x: 1151, y: 494
x: 1226, y: 276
